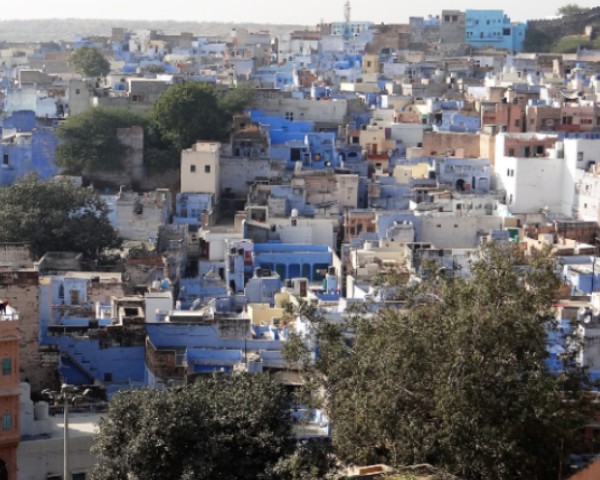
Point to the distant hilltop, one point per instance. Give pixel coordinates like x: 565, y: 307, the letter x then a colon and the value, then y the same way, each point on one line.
x: 569, y: 25
x: 68, y: 29
x: 542, y: 34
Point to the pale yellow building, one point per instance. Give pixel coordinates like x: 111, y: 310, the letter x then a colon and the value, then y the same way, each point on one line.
x: 404, y: 173
x: 200, y: 169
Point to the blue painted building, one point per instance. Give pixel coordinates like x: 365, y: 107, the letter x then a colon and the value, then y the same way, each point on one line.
x: 296, y: 141
x: 26, y: 152
x: 492, y: 28
x: 26, y: 148
x: 294, y: 261
x: 191, y: 207
x: 90, y: 351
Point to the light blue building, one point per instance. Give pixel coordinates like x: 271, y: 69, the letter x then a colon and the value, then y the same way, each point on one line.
x: 191, y: 207
x: 492, y: 28
x: 26, y: 148
x: 294, y: 261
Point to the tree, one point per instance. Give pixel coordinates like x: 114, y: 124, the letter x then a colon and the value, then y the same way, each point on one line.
x: 55, y: 216
x: 457, y: 378
x: 188, y: 112
x: 90, y: 62
x: 89, y: 140
x: 193, y: 111
x: 570, y: 9
x: 236, y: 100
x: 219, y: 427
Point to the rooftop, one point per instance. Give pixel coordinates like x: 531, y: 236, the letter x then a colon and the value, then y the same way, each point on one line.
x: 80, y: 425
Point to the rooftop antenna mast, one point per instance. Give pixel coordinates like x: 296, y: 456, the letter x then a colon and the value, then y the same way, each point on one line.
x: 347, y: 10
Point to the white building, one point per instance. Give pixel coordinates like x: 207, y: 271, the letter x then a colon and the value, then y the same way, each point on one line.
x: 545, y: 172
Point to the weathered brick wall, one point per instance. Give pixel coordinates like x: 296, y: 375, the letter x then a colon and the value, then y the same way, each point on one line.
x: 21, y: 290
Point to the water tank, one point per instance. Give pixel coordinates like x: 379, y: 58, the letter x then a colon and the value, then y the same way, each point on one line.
x: 40, y: 411
x: 369, y: 245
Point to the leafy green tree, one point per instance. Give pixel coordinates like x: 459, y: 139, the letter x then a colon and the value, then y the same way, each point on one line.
x: 193, y: 111
x: 55, y: 216
x: 537, y: 40
x: 89, y: 140
x: 311, y: 460
x: 188, y: 112
x: 90, y: 62
x: 570, y: 9
x: 236, y: 100
x: 219, y: 427
x: 457, y: 378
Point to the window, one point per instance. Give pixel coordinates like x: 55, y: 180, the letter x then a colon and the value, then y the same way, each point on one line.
x: 206, y: 168
x: 5, y: 159
x: 78, y: 476
x: 108, y: 377
x: 77, y: 91
x: 192, y: 168
x: 74, y: 297
x: 6, y: 422
x: 6, y: 366
x: 517, y: 122
x: 506, y: 32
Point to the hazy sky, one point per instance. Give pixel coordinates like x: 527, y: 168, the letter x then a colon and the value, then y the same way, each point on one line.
x: 305, y: 12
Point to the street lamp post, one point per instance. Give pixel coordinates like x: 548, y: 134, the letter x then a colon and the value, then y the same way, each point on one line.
x: 67, y: 392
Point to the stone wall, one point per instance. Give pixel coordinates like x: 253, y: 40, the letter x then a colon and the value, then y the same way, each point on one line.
x: 559, y: 27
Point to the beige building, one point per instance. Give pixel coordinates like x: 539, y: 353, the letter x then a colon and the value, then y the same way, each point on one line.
x: 200, y: 169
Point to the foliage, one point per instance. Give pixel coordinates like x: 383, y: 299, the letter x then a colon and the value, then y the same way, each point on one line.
x: 193, y: 111
x: 55, y: 216
x: 219, y: 427
x: 570, y: 9
x: 236, y: 100
x: 89, y: 140
x: 570, y: 44
x: 457, y: 378
x: 154, y: 68
x: 310, y: 460
x: 90, y: 62
x: 537, y: 40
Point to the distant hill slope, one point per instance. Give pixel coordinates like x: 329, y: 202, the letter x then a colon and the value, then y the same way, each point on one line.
x: 67, y: 29
x: 542, y: 35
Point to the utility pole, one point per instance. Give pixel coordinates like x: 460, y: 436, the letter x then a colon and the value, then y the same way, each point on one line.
x: 67, y: 392
x: 66, y: 469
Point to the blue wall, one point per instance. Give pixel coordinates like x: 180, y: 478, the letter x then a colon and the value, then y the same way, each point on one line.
x: 34, y: 155
x: 494, y: 29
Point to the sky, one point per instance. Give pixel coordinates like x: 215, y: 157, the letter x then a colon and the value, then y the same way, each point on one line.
x: 303, y: 12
